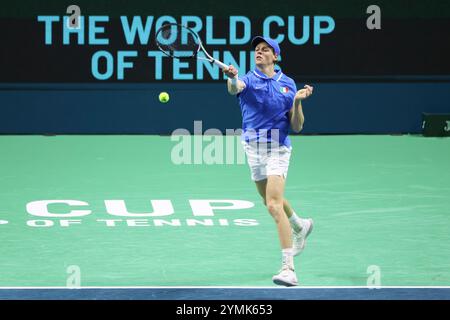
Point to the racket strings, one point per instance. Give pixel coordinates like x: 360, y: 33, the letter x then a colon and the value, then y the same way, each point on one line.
x: 177, y: 41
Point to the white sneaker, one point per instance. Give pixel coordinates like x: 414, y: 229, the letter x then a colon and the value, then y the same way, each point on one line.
x: 299, y: 238
x: 285, y: 277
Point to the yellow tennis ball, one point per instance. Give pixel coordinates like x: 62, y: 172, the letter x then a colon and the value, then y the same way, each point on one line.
x: 163, y: 97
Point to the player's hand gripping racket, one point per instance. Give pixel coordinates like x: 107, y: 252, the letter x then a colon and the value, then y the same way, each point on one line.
x: 178, y: 41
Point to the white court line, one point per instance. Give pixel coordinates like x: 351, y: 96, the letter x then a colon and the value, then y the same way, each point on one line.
x: 230, y: 287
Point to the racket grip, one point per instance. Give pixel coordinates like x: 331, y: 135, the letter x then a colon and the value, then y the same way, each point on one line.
x: 220, y: 64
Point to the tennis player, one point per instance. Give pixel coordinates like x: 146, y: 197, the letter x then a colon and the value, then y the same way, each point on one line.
x: 270, y: 104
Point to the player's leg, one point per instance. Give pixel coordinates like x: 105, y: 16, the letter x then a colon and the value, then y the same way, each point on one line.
x: 261, y: 187
x: 278, y: 163
x: 274, y: 204
x: 287, y: 208
x: 301, y: 228
x: 294, y: 220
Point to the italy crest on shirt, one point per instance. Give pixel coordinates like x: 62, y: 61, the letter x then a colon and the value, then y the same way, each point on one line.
x: 284, y: 89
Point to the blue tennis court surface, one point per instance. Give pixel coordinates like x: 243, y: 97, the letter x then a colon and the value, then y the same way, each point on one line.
x: 312, y: 293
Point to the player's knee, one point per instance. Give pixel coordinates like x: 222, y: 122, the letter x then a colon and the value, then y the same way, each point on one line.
x: 275, y: 208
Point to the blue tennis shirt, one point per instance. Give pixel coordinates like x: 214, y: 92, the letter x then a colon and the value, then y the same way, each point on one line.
x: 265, y: 103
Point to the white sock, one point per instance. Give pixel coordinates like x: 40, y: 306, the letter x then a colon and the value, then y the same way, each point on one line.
x: 287, y: 258
x: 296, y: 222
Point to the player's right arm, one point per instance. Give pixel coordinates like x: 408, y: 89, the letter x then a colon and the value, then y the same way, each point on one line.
x: 234, y: 85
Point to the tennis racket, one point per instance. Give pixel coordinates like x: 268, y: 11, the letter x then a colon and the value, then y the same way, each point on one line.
x: 180, y: 42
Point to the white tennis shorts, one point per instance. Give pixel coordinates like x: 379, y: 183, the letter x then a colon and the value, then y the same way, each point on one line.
x: 264, y: 161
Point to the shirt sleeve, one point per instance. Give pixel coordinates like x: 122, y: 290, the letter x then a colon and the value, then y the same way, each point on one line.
x: 293, y: 89
x: 294, y: 86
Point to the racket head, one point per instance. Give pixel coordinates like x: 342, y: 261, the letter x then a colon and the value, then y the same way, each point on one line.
x: 177, y: 41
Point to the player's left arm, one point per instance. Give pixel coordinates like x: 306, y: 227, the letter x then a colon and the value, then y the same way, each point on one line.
x: 296, y: 116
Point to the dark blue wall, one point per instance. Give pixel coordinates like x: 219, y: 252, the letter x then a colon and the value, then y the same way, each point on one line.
x: 134, y: 108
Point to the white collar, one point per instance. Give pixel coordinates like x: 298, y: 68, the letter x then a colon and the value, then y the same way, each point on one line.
x: 259, y: 74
